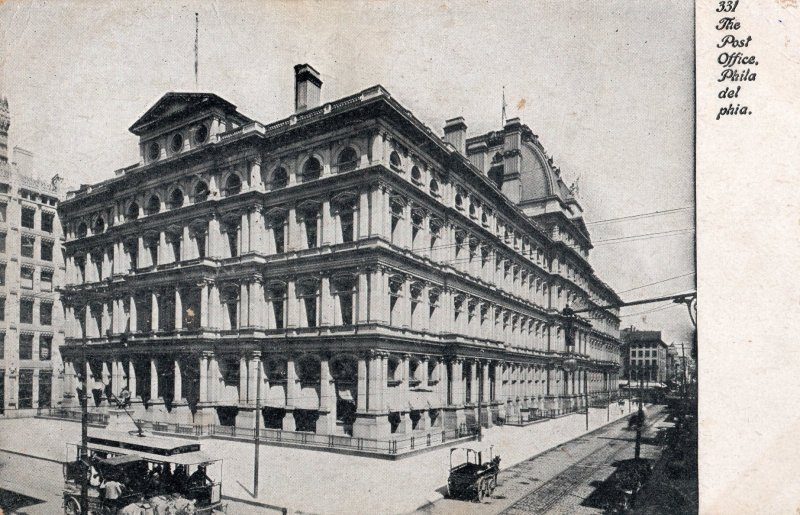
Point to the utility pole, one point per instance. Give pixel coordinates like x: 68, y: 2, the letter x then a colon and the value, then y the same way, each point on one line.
x: 586, y: 394
x: 480, y: 398
x: 258, y: 431
x: 639, y: 417
x: 84, y: 454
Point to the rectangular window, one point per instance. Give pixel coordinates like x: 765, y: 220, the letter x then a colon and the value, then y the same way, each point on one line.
x: 27, y: 243
x: 28, y: 217
x: 201, y: 245
x: 191, y: 308
x: 46, y: 280
x: 26, y: 311
x: 26, y: 346
x: 2, y: 345
x: 2, y: 308
x: 26, y: 278
x: 45, y: 346
x: 347, y: 220
x: 233, y: 240
x: 45, y: 313
x: 2, y: 274
x: 47, y: 222
x: 46, y: 253
x: 45, y: 388
x: 2, y: 242
x: 25, y: 388
x: 3, y: 210
x: 279, y: 233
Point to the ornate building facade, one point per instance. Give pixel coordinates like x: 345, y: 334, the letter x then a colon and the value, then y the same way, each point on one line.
x: 379, y: 279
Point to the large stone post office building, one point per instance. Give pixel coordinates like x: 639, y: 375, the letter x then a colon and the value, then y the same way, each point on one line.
x: 379, y: 277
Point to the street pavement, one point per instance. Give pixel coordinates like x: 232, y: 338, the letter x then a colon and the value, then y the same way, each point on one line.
x: 308, y: 480
x: 560, y: 480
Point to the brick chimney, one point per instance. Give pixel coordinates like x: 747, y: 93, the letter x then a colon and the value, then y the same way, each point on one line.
x: 455, y: 133
x: 307, y: 87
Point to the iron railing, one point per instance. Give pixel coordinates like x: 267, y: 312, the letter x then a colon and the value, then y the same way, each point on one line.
x: 307, y: 439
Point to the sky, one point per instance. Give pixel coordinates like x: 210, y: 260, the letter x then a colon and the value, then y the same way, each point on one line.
x: 608, y: 87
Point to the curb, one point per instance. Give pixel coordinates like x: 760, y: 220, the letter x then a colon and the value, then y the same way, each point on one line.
x: 31, y: 456
x: 257, y: 504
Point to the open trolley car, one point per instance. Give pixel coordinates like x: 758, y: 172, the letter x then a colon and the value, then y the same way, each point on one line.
x: 132, y: 474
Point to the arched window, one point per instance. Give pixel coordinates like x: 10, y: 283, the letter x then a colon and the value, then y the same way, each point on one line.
x: 311, y: 170
x: 348, y: 160
x: 459, y: 201
x: 280, y: 178
x: 201, y: 192
x: 416, y: 175
x: 133, y: 211
x: 175, y: 199
x: 153, y: 205
x: 434, y: 187
x: 99, y: 226
x: 394, y: 160
x: 496, y: 175
x: 82, y: 230
x: 496, y: 170
x: 233, y: 185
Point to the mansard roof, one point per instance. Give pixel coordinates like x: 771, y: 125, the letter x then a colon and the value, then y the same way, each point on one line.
x: 175, y: 105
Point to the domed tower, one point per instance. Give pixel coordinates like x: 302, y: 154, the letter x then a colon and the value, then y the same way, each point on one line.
x: 5, y: 123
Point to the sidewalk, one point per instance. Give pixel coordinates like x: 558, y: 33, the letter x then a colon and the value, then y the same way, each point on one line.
x: 311, y: 481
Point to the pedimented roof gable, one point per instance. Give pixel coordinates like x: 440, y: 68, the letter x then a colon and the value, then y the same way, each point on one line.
x: 175, y: 105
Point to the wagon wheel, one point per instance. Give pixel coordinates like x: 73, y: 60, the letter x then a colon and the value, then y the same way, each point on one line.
x: 492, y: 483
x: 72, y: 506
x: 481, y: 490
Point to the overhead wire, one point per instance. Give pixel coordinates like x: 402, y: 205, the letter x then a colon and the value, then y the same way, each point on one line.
x: 657, y: 282
x: 641, y: 215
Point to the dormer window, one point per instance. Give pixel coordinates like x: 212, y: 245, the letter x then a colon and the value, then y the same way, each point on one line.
x: 176, y: 144
x: 154, y: 151
x: 200, y: 134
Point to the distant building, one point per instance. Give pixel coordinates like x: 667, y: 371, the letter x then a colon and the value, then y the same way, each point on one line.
x: 31, y: 271
x: 672, y: 362
x: 380, y: 279
x: 644, y: 353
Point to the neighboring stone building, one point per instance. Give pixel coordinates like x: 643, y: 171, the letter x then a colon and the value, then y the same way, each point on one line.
x: 644, y: 353
x: 672, y: 362
x: 380, y: 278
x: 31, y: 270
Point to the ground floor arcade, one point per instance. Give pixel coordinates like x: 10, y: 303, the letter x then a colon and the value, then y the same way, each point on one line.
x: 370, y: 393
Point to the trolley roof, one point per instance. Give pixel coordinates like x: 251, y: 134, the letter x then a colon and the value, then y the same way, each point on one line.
x: 156, y: 445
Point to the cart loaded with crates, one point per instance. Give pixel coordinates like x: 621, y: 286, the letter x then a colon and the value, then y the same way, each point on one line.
x: 473, y: 472
x: 130, y: 474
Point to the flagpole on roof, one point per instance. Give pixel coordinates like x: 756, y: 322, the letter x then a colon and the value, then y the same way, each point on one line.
x: 503, y: 114
x: 196, y: 38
